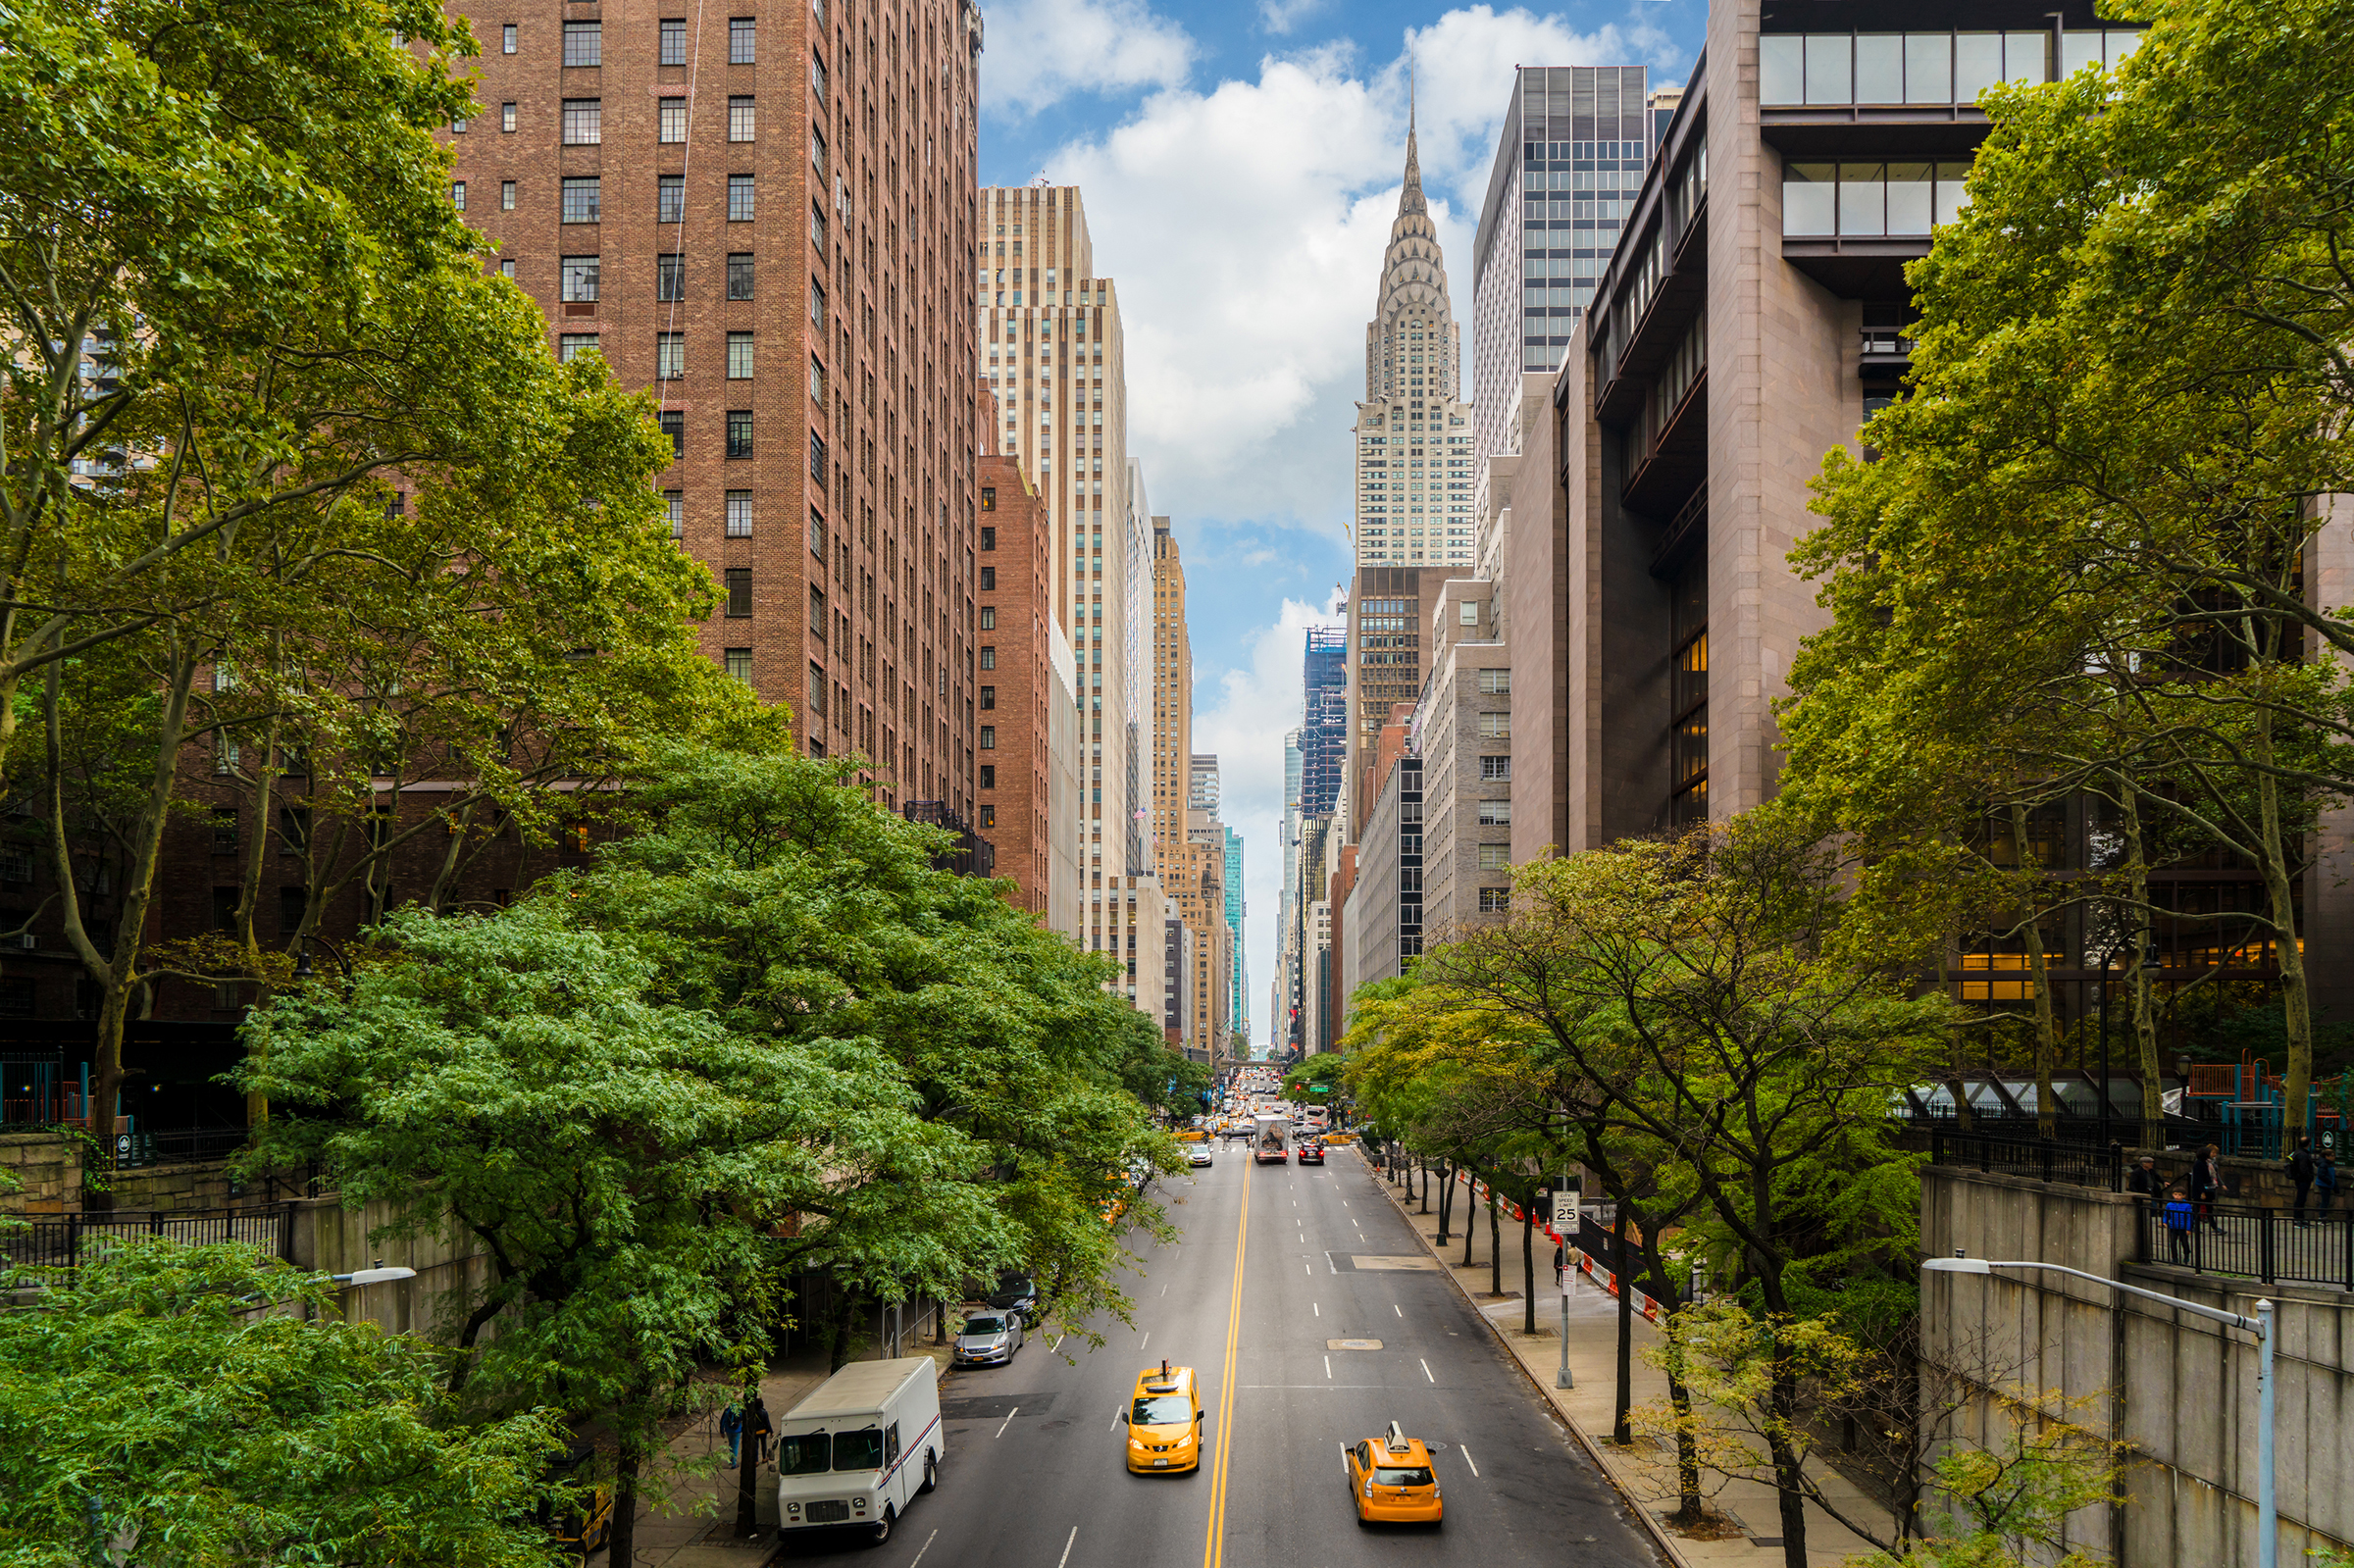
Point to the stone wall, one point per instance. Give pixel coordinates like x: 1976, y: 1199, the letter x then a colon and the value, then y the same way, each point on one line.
x: 2181, y: 1390
x: 43, y: 1171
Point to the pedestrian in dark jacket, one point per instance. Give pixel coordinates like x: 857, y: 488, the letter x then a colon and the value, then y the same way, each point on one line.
x: 2300, y: 1171
x: 758, y: 1429
x: 2179, y: 1217
x: 2324, y: 1182
x: 2207, y: 1184
x: 2143, y: 1180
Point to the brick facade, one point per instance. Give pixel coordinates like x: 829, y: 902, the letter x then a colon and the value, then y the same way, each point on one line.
x: 1016, y: 678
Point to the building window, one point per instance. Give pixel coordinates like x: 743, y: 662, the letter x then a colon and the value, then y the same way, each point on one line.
x: 580, y: 199
x: 1495, y: 682
x: 817, y: 702
x: 506, y: 204
x: 739, y: 665
x: 1492, y: 769
x: 670, y: 120
x: 674, y: 506
x: 584, y: 121
x: 507, y: 116
x: 457, y: 194
x: 670, y: 356
x: 740, y: 275
x: 989, y: 619
x: 817, y: 383
x: 674, y: 425
x: 817, y: 305
x: 740, y: 41
x: 989, y: 696
x: 989, y: 536
x: 817, y: 533
x: 225, y: 830
x: 739, y: 581
x: 740, y: 119
x: 740, y: 198
x: 670, y: 198
x: 457, y: 127
x: 988, y: 738
x: 1688, y: 709
x: 989, y: 776
x: 1495, y: 857
x: 739, y: 432
x: 579, y: 284
x: 1495, y: 900
x: 673, y: 41
x: 1494, y: 814
x: 817, y: 228
x: 1870, y: 200
x: 989, y: 658
x: 584, y: 43
x: 739, y: 356
x: 740, y: 513
x: 817, y: 154
x: 571, y: 345
x: 817, y: 78
x: 989, y: 503
x: 1494, y: 726
x: 670, y: 277
x: 506, y: 38
x: 989, y: 577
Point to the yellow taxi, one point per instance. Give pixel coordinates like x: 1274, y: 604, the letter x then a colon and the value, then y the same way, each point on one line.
x: 1391, y: 1481
x: 1164, y: 1419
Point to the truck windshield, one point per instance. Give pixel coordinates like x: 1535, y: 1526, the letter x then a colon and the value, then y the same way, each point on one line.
x: 860, y: 1450
x: 808, y: 1454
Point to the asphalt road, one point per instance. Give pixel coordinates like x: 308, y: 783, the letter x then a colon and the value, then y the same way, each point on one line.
x: 1274, y: 1264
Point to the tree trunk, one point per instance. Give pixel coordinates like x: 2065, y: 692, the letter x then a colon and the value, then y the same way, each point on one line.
x: 2297, y: 1006
x: 1446, y: 1196
x: 1494, y: 1246
x: 621, y: 1549
x: 2138, y: 975
x: 2047, y: 1107
x: 1424, y: 1183
x: 1788, y: 1484
x: 1622, y: 1430
x: 1470, y: 1222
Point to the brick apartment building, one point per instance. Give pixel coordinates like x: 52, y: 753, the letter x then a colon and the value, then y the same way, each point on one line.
x: 764, y: 216
x: 1017, y: 676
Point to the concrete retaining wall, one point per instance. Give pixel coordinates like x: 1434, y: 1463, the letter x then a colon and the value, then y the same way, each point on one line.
x: 2181, y: 1390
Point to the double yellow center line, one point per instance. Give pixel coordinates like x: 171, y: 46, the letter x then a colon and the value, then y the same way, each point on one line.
x: 1213, y: 1547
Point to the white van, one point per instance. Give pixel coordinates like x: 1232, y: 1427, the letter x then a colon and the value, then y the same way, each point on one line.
x: 865, y: 1442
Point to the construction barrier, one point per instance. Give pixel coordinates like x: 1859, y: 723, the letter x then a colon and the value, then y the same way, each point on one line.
x: 1595, y: 1269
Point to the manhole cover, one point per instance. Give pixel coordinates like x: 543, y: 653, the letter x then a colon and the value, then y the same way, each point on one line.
x: 1353, y: 1345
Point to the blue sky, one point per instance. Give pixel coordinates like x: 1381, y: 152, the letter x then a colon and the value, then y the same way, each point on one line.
x: 1240, y: 162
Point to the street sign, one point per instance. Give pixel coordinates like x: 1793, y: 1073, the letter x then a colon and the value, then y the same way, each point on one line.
x: 1565, y: 1212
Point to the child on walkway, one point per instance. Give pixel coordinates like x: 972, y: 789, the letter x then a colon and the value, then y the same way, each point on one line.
x: 2179, y: 1216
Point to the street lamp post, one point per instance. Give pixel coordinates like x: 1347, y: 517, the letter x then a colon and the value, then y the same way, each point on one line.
x: 2268, y: 1511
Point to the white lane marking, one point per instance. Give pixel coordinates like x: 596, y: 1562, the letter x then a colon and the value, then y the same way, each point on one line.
x: 1066, y: 1548
x: 1328, y: 1366
x: 1311, y: 1269
x: 920, y: 1550
x: 1344, y: 1470
x: 1459, y: 1448
x: 1115, y: 1425
x: 1056, y: 1343
x: 1426, y: 1369
x: 1146, y: 1339
x: 1007, y: 1422
x: 1164, y: 1289
x: 1395, y: 1307
x: 1344, y: 1202
x: 1317, y: 1310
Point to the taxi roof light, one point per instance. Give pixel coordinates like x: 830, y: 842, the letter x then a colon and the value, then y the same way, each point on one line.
x: 1396, y: 1441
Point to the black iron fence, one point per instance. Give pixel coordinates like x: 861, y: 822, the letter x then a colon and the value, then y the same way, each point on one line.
x: 2042, y: 1158
x: 59, y: 1242
x: 2268, y: 1245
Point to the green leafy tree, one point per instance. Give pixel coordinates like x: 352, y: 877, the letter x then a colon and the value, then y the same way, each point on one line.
x: 178, y: 1407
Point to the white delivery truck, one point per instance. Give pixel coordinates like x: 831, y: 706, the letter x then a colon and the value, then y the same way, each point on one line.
x: 863, y: 1443
x: 1270, y: 1139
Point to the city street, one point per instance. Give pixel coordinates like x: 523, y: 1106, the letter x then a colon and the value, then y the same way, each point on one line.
x: 1034, y: 1475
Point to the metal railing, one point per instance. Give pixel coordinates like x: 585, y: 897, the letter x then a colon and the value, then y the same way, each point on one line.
x: 58, y: 1242
x: 2268, y: 1245
x: 2041, y: 1158
x: 197, y: 1145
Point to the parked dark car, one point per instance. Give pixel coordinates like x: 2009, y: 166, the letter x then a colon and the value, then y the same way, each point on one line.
x: 1016, y: 1294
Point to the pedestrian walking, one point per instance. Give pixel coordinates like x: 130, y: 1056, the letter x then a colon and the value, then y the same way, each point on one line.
x: 759, y: 1429
x: 2324, y: 1182
x: 2301, y: 1170
x: 2180, y: 1216
x: 2207, y: 1184
x: 731, y: 1432
x: 2143, y: 1180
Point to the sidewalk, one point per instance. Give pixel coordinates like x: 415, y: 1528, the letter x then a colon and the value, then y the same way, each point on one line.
x: 697, y: 1526
x: 1644, y: 1474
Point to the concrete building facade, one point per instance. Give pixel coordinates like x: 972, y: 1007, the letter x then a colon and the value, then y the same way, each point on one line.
x: 1463, y: 733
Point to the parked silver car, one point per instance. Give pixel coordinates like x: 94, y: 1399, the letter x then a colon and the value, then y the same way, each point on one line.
x: 989, y: 1338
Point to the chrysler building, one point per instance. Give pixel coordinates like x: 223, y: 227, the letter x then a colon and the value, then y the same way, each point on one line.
x: 1414, y: 431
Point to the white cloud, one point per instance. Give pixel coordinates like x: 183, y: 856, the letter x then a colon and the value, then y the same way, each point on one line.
x: 1282, y: 16
x: 1041, y: 51
x: 1244, y: 721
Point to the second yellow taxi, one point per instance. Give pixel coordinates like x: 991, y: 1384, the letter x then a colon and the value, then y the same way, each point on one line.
x: 1164, y: 1421
x: 1390, y: 1482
